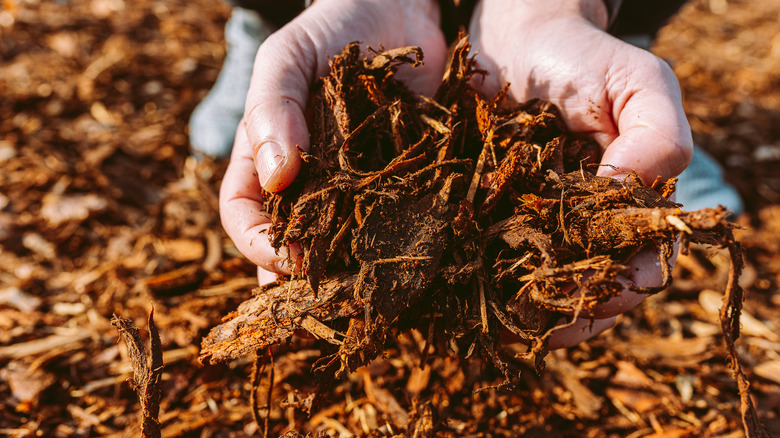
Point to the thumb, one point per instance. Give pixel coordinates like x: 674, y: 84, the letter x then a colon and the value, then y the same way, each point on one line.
x: 275, y: 106
x: 655, y: 138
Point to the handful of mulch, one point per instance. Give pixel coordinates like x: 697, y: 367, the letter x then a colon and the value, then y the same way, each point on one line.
x: 460, y: 216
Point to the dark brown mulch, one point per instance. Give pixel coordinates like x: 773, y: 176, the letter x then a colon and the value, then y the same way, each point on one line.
x: 103, y: 212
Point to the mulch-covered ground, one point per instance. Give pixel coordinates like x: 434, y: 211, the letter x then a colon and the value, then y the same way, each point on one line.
x: 103, y: 212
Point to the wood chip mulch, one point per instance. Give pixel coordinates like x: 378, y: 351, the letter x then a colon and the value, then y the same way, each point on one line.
x: 104, y: 212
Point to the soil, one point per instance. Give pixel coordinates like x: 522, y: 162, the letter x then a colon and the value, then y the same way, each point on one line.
x: 104, y: 212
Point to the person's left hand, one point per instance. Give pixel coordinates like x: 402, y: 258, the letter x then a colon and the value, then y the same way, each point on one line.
x: 624, y: 97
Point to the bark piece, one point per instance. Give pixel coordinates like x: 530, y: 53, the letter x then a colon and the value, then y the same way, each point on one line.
x: 146, y: 371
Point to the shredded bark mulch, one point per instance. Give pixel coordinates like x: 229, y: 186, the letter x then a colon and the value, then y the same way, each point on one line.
x: 103, y: 212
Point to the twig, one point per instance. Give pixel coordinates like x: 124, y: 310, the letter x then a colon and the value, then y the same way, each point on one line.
x: 270, y: 392
x: 729, y: 323
x: 146, y: 371
x: 475, y: 181
x: 428, y: 340
x: 257, y: 370
x: 482, y: 303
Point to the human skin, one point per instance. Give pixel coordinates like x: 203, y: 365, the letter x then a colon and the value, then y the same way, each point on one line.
x: 625, y: 98
x: 265, y: 152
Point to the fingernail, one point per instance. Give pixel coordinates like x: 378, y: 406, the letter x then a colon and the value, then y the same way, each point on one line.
x: 282, y: 266
x: 269, y: 157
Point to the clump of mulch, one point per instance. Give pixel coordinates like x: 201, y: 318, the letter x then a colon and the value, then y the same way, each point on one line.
x: 105, y: 212
x: 472, y: 217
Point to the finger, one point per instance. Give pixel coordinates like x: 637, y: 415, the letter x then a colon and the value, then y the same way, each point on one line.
x: 581, y: 330
x: 265, y: 277
x: 654, y: 136
x: 241, y: 207
x: 275, y: 124
x: 645, y: 270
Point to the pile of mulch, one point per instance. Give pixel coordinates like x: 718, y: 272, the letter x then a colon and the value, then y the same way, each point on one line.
x: 104, y: 212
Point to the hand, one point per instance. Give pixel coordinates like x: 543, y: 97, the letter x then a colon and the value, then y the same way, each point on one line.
x: 624, y: 97
x: 265, y: 152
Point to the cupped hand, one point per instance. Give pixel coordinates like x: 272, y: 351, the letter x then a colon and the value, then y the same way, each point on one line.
x: 624, y: 97
x: 265, y: 154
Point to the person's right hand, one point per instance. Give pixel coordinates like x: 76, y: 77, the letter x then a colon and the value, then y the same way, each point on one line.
x: 265, y: 153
